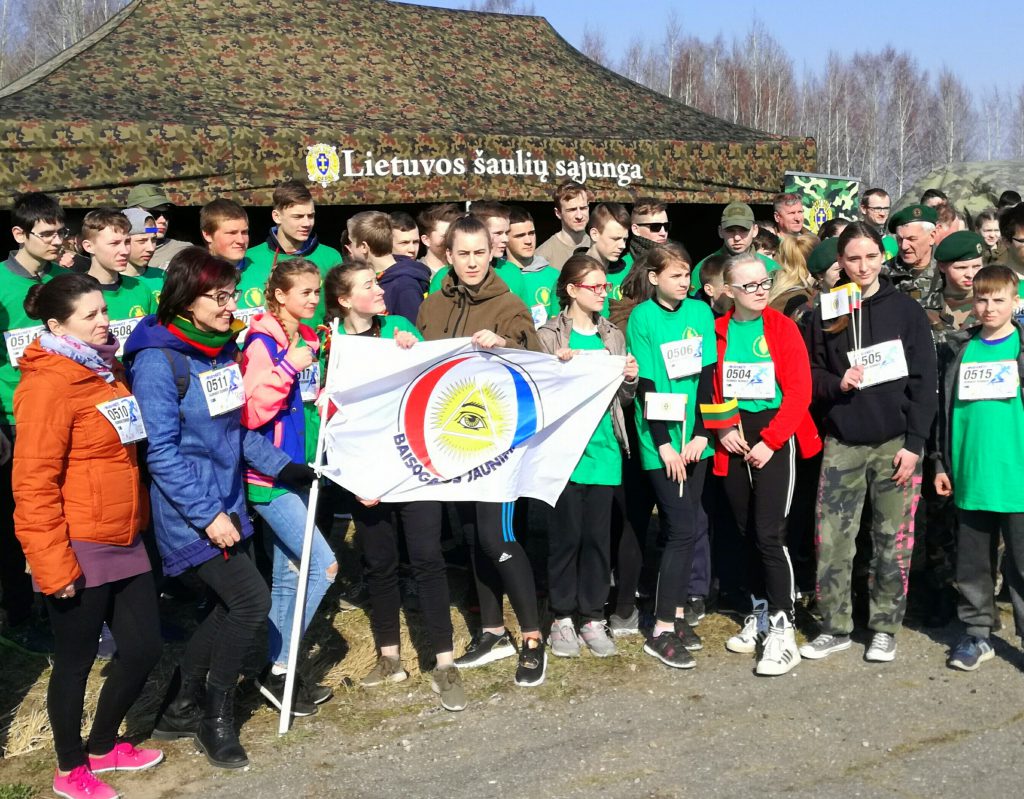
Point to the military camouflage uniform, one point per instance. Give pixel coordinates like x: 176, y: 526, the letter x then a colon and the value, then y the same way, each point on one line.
x: 924, y: 285
x: 936, y: 517
x: 848, y: 472
x: 996, y: 255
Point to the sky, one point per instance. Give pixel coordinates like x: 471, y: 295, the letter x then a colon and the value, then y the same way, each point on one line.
x: 983, y: 48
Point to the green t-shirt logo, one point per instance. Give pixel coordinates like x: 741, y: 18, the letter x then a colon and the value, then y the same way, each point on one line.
x: 136, y: 310
x: 761, y: 347
x: 542, y: 296
x: 254, y: 297
x: 690, y: 332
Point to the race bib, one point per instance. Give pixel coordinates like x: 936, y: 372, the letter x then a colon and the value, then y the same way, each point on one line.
x: 684, y: 357
x: 18, y: 340
x: 121, y: 329
x: 309, y: 382
x: 223, y: 389
x: 126, y: 418
x: 989, y: 380
x: 540, y: 315
x: 882, y: 363
x: 749, y: 380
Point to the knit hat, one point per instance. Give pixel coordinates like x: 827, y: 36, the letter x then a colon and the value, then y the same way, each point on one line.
x: 138, y: 217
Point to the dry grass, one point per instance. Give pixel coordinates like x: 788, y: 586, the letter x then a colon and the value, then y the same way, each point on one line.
x: 342, y: 651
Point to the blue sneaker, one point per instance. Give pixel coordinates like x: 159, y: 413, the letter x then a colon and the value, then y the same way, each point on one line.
x: 970, y: 652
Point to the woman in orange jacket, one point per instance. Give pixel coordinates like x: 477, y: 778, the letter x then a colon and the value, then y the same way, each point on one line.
x: 79, y: 509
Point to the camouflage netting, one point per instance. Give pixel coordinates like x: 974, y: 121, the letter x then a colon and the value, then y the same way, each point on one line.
x: 971, y: 186
x: 212, y: 99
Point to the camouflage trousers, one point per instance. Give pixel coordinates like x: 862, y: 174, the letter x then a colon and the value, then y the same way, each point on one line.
x: 850, y: 473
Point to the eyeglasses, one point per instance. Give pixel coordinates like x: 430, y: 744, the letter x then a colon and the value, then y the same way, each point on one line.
x: 656, y: 227
x: 53, y: 235
x: 753, y: 288
x: 877, y: 207
x: 222, y: 298
x: 597, y: 288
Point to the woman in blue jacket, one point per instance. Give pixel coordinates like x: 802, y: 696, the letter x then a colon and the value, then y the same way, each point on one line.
x: 184, y: 373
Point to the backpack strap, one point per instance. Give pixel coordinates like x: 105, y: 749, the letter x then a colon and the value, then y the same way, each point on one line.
x: 181, y: 378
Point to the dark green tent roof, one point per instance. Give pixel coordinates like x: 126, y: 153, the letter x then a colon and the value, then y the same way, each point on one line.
x: 225, y: 99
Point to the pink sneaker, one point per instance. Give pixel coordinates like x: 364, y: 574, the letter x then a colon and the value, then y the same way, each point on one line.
x: 81, y: 783
x: 125, y: 757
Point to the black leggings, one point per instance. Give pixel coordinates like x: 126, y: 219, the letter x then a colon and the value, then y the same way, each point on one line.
x: 220, y: 644
x: 129, y: 607
x: 499, y: 564
x: 15, y: 585
x: 681, y: 515
x: 760, y: 501
x: 377, y: 532
x: 579, y: 540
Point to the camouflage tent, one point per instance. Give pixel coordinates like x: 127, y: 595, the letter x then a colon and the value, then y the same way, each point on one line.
x: 376, y: 102
x: 971, y: 186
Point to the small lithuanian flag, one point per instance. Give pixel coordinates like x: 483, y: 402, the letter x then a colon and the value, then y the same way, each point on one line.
x: 720, y: 416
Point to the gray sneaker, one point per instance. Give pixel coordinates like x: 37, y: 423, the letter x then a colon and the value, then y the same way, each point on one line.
x: 824, y: 645
x: 447, y: 683
x: 882, y: 648
x: 386, y: 670
x: 563, y: 640
x: 595, y: 636
x: 621, y: 627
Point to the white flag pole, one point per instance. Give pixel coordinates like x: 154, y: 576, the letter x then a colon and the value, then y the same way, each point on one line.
x: 307, y: 553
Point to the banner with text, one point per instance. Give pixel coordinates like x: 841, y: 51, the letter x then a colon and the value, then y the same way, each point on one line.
x: 445, y: 420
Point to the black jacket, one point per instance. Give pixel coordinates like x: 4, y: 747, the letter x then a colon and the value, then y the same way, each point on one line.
x: 886, y: 411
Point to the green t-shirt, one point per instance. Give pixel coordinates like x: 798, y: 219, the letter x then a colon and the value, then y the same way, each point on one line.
x: 986, y: 475
x: 770, y: 266
x: 14, y: 285
x: 539, y: 293
x: 746, y: 344
x: 129, y: 298
x: 153, y: 279
x: 650, y: 326
x: 506, y: 270
x: 252, y: 284
x: 601, y: 462
x: 616, y: 279
x: 261, y: 260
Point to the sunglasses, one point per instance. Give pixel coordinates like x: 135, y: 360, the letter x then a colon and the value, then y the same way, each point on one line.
x: 656, y: 227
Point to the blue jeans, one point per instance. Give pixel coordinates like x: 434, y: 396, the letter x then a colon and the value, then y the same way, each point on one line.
x: 286, y: 515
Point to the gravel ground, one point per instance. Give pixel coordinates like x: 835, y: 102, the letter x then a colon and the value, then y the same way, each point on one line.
x: 632, y: 728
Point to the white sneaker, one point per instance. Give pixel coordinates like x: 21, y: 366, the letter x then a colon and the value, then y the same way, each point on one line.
x: 755, y: 628
x: 882, y: 648
x: 780, y: 650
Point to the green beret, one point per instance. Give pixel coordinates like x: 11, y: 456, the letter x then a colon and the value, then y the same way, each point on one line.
x: 823, y: 256
x: 912, y: 213
x: 960, y: 246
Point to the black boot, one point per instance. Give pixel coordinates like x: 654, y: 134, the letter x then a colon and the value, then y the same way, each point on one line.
x: 182, y: 709
x: 217, y: 737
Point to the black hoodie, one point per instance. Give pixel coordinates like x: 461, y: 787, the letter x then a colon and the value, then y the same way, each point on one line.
x: 885, y: 411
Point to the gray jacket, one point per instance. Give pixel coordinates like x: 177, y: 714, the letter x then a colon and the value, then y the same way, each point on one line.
x: 554, y: 335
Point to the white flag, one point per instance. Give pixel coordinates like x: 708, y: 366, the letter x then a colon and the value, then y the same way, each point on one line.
x: 445, y: 420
